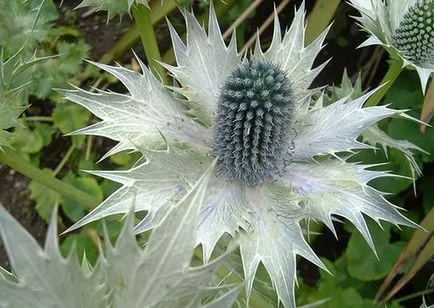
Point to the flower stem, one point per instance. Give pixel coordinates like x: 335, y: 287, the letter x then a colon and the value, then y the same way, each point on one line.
x: 64, y: 160
x: 142, y: 15
x: 13, y: 159
x: 395, y: 68
x: 38, y: 119
x: 320, y: 17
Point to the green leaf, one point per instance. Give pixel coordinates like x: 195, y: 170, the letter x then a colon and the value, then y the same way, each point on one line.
x: 8, y: 119
x: 125, y: 158
x: 82, y: 244
x: 108, y: 187
x: 71, y: 56
x: 44, y: 197
x: 84, y: 164
x: 418, y: 251
x: 73, y: 209
x: 113, y: 227
x: 362, y: 262
x: 338, y: 288
x: 405, y: 92
x: 27, y: 140
x: 69, y: 117
x: 45, y: 130
x: 25, y: 22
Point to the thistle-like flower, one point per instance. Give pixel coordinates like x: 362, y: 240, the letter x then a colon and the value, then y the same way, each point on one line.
x: 404, y: 27
x: 279, y: 153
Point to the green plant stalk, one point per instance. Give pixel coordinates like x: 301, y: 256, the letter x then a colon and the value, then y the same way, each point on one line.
x: 413, y: 295
x: 13, y: 159
x: 38, y: 119
x: 131, y: 36
x: 395, y: 68
x: 142, y: 15
x: 320, y: 17
x: 64, y: 160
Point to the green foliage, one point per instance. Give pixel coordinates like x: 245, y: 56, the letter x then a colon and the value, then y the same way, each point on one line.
x: 57, y: 71
x: 25, y: 23
x: 13, y: 82
x: 82, y: 245
x: 73, y: 209
x: 362, y: 263
x: 44, y: 197
x: 69, y: 117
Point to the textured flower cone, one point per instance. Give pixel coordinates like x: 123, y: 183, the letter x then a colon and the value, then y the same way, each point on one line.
x: 404, y: 27
x: 257, y: 118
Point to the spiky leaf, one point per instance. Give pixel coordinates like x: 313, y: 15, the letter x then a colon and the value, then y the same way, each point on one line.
x: 113, y: 7
x: 127, y: 276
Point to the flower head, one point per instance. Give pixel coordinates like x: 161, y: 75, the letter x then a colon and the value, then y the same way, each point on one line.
x: 404, y: 27
x: 253, y: 122
x: 278, y: 152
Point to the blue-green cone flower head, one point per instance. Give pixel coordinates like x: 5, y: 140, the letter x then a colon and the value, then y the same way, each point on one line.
x: 279, y: 154
x: 404, y: 27
x: 414, y: 36
x: 253, y: 123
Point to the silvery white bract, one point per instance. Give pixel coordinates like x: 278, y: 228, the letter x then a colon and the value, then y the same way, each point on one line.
x: 285, y: 165
x: 113, y: 7
x: 127, y: 276
x: 404, y: 27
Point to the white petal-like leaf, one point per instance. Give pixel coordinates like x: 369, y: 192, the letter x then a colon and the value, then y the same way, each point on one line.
x: 374, y: 135
x: 153, y: 186
x: 275, y: 238
x: 113, y: 7
x: 203, y: 63
x: 159, y: 276
x: 292, y: 56
x: 44, y: 277
x: 336, y: 127
x: 335, y: 187
x: 141, y: 117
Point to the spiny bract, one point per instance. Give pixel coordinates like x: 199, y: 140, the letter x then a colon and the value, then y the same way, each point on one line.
x: 404, y: 27
x: 261, y: 209
x: 124, y: 276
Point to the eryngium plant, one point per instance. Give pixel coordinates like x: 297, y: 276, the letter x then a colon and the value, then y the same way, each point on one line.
x: 404, y: 27
x: 13, y: 82
x: 126, y: 276
x: 279, y: 154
